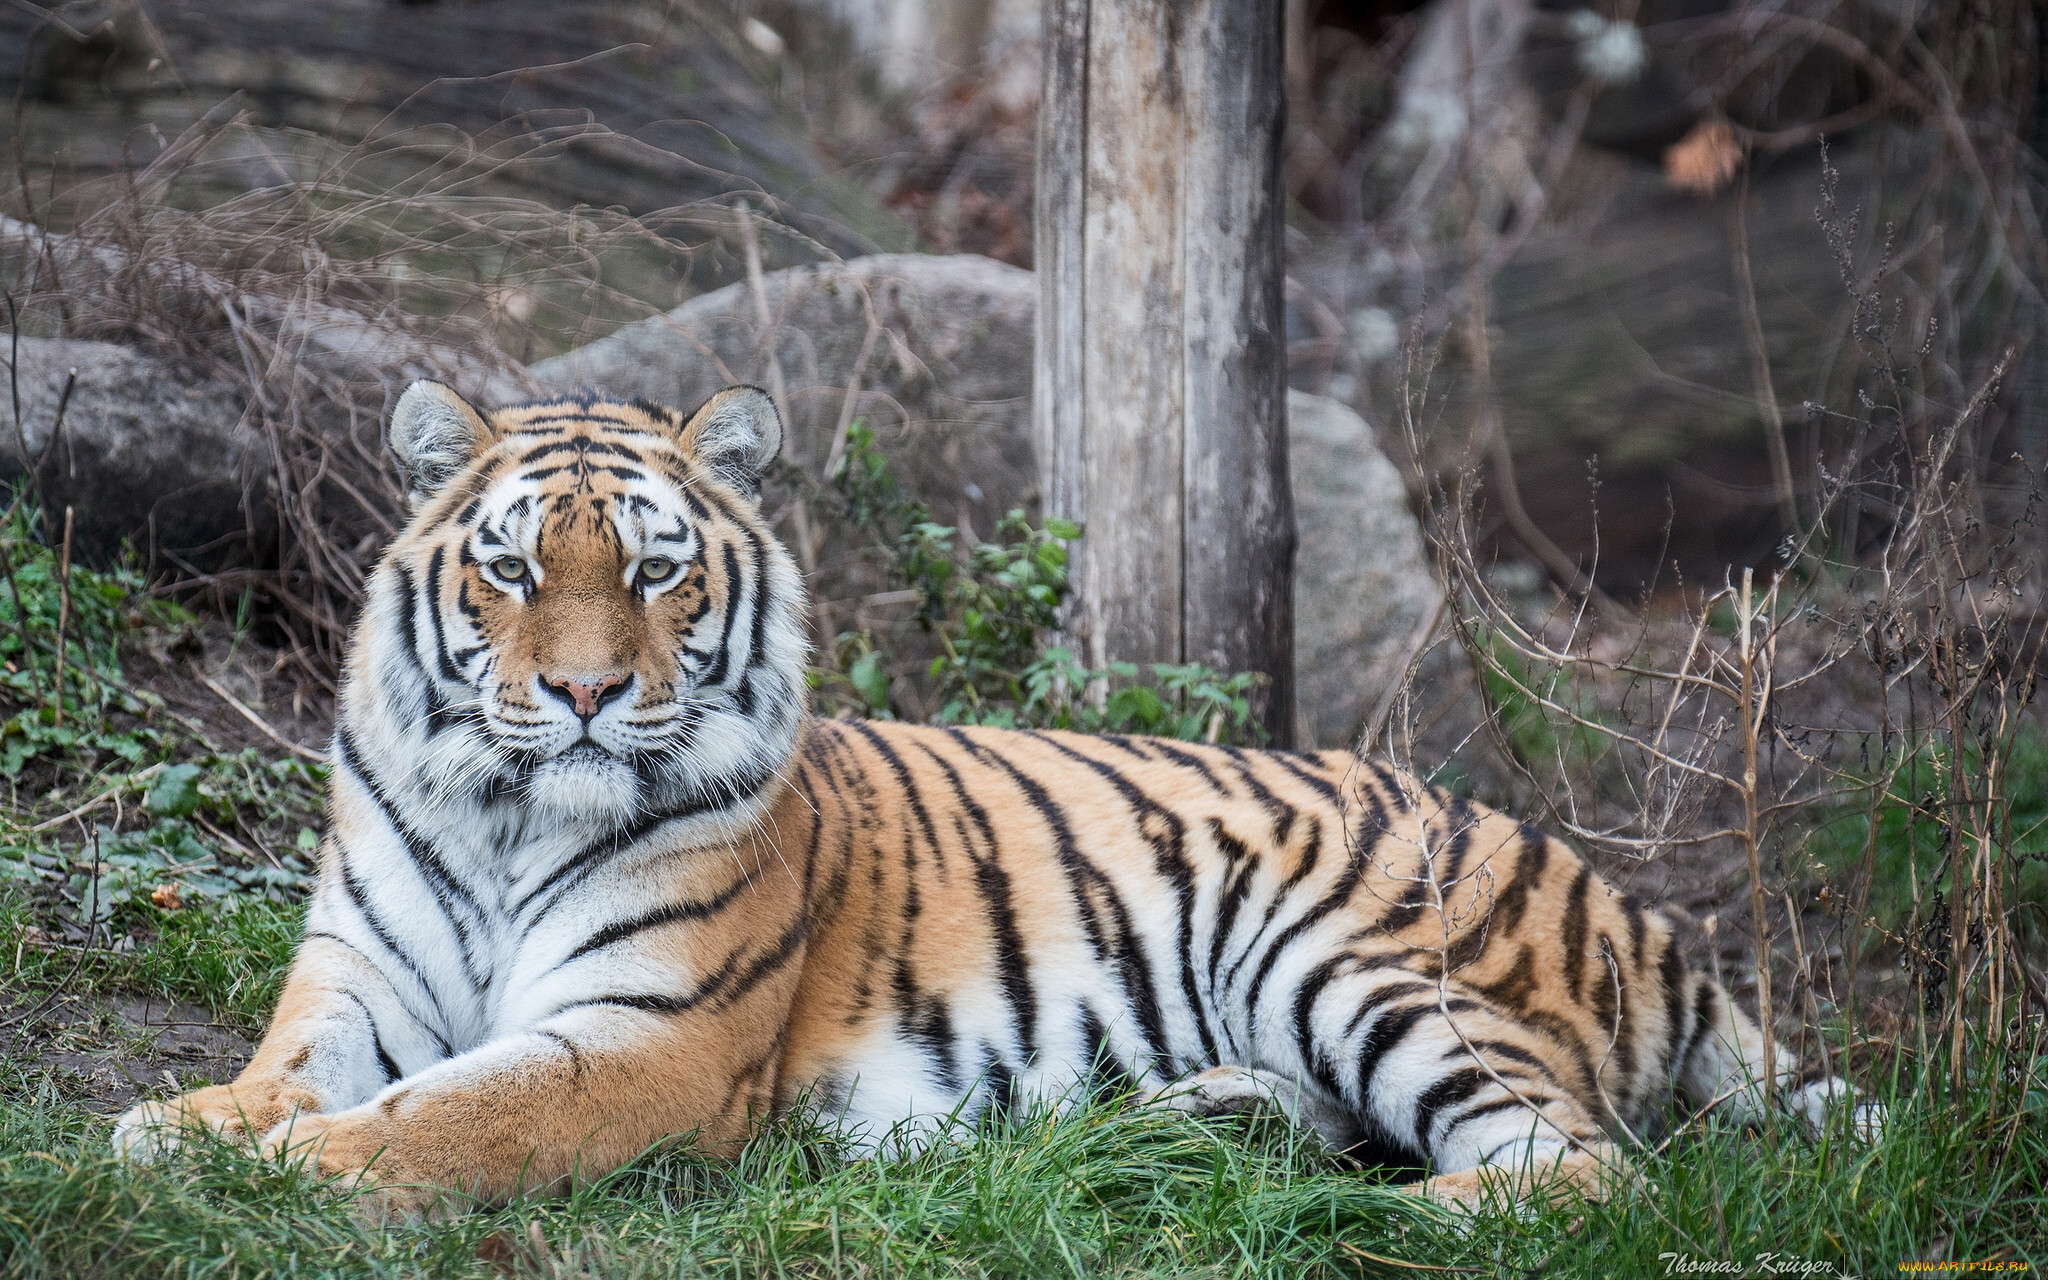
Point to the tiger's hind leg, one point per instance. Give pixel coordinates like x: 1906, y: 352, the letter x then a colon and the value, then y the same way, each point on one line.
x: 1722, y: 1068
x: 1488, y: 1098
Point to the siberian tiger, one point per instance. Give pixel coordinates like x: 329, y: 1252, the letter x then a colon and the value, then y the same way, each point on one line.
x: 594, y: 877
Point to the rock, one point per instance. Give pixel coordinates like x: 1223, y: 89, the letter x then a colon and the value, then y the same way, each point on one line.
x: 167, y: 442
x: 149, y: 451
x: 947, y: 387
x: 1362, y: 582
x: 648, y: 108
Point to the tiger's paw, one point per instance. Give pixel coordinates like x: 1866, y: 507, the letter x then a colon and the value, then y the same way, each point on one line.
x: 1814, y: 1103
x: 354, y: 1152
x: 149, y: 1131
x: 1235, y: 1090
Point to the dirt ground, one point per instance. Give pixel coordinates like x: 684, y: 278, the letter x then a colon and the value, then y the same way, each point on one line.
x: 109, y: 1051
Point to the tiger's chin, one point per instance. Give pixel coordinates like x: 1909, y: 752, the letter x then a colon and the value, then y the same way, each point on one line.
x: 586, y: 781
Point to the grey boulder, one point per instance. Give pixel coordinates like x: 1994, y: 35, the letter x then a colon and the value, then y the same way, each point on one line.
x: 946, y: 385
x: 149, y: 452
x: 1363, y: 590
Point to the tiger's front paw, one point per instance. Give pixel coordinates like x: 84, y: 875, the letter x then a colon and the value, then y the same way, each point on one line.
x: 150, y: 1130
x: 357, y: 1152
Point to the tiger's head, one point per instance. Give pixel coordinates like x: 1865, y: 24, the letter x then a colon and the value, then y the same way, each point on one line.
x: 587, y: 613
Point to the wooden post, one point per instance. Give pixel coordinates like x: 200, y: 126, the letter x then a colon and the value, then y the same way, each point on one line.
x: 1160, y: 396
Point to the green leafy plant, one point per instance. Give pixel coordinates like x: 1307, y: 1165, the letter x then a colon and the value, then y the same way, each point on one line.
x: 987, y: 610
x: 61, y: 685
x: 106, y: 812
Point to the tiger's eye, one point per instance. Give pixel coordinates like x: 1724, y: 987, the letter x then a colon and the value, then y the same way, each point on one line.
x: 510, y: 568
x: 656, y: 569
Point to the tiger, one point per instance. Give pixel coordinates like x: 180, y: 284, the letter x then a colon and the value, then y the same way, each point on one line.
x: 594, y: 877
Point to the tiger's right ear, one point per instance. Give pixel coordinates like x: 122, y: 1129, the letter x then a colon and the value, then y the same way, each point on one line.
x: 435, y: 433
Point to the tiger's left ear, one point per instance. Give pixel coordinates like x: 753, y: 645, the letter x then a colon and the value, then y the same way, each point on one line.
x: 736, y: 433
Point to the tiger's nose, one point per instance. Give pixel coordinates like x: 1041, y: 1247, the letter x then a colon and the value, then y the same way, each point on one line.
x: 587, y: 696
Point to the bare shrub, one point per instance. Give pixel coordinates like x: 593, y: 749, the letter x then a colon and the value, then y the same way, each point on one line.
x: 1835, y: 757
x: 1838, y: 752
x: 327, y: 279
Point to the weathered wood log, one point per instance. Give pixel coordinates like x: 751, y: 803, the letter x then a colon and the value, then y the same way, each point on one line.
x: 1161, y: 369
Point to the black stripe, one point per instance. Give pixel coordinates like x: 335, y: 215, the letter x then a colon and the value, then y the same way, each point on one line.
x: 1495, y: 1107
x: 435, y: 563
x: 1498, y: 1049
x: 354, y: 889
x: 575, y: 1055
x: 1561, y: 1032
x: 999, y: 1085
x: 385, y: 1062
x: 583, y: 471
x: 437, y: 874
x: 1633, y: 910
x: 927, y: 1020
x: 1624, y: 1025
x: 1513, y: 989
x: 1283, y: 813
x: 1243, y: 865
x: 1514, y: 898
x: 723, y: 662
x: 709, y: 796
x: 1311, y: 855
x: 757, y: 635
x: 1671, y: 974
x: 1453, y: 1089
x: 911, y: 795
x: 1125, y: 744
x: 1703, y: 1017
x: 1321, y: 786
x: 417, y: 847
x: 670, y: 914
x: 1381, y: 996
x: 1372, y: 824
x: 435, y: 706
x: 723, y: 987
x: 1106, y: 1070
x: 1187, y: 761
x: 1443, y: 871
x: 1380, y: 1039
x: 1574, y: 930
x: 1312, y: 986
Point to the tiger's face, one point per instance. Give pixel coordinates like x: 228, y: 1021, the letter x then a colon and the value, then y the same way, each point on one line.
x: 587, y: 613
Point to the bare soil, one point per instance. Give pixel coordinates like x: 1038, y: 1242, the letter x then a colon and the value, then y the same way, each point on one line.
x: 108, y: 1052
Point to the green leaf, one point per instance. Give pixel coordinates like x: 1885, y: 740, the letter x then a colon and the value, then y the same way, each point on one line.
x: 175, y: 791
x: 1136, y: 707
x: 871, y: 682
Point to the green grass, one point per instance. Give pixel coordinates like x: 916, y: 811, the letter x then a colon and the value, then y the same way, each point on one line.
x: 1105, y: 1191
x: 1910, y: 820
x: 227, y: 956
